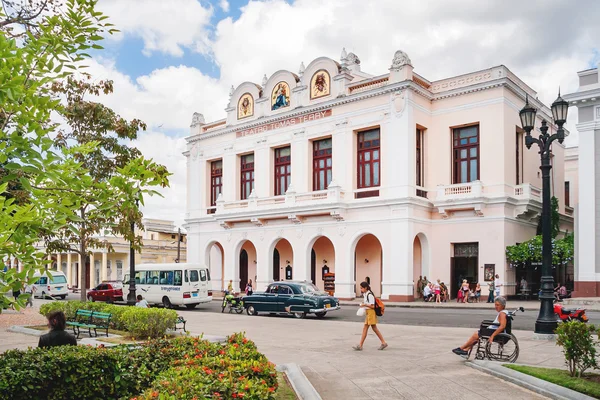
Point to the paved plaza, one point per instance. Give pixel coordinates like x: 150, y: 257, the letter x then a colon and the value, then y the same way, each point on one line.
x: 417, y: 365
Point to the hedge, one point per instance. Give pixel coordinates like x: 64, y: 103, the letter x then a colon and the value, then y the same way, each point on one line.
x: 182, y: 368
x: 139, y: 322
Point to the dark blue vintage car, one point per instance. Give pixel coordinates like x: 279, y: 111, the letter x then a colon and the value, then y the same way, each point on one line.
x: 291, y: 297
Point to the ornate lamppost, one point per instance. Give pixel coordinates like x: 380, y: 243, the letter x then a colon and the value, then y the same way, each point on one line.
x: 546, y: 322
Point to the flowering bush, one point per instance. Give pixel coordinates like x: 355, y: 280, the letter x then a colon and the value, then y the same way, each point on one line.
x: 182, y: 368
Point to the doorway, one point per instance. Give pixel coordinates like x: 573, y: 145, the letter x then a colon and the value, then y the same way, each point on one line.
x: 464, y: 266
x: 243, y: 270
x: 276, y: 266
x: 313, y: 266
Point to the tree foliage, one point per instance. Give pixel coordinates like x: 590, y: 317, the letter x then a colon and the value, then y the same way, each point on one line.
x: 42, y: 42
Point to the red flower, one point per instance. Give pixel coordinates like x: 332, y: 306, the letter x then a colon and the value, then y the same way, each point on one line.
x: 245, y: 341
x: 236, y: 345
x: 271, y: 389
x: 221, y: 352
x: 234, y: 395
x: 155, y: 394
x: 246, y: 387
x: 256, y: 369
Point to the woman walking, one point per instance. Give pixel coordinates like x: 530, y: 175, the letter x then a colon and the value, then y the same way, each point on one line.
x: 370, y: 317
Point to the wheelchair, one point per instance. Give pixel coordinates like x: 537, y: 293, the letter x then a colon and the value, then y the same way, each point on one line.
x: 504, y: 348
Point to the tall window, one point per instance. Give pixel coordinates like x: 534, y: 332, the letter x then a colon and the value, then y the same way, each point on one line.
x: 216, y: 181
x: 420, y: 163
x: 283, y: 170
x: 466, y: 154
x: 247, y: 175
x: 518, y: 158
x: 567, y: 194
x: 368, y: 158
x: 322, y: 164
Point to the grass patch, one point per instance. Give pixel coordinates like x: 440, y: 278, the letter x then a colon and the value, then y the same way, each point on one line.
x: 284, y: 391
x: 589, y: 384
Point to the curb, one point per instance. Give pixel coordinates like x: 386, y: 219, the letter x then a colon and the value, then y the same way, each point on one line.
x: 447, y: 307
x: 299, y: 382
x: 529, y: 382
x: 25, y: 331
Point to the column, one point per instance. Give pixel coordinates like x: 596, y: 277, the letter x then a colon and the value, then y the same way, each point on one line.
x: 301, y: 164
x: 69, y: 270
x: 104, y: 266
x: 397, y: 279
x: 344, y: 268
x: 59, y: 262
x: 231, y: 177
x: 585, y: 269
x: 264, y: 262
x: 49, y: 264
x: 301, y: 261
x: 263, y: 181
x: 93, y: 270
x: 232, y: 267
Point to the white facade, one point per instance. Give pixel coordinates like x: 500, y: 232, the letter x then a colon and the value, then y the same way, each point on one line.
x: 587, y: 253
x: 435, y: 210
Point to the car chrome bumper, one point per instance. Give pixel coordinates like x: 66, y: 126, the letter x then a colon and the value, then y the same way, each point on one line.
x: 320, y: 310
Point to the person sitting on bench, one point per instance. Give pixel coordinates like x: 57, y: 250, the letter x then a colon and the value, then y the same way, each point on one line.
x: 57, y: 335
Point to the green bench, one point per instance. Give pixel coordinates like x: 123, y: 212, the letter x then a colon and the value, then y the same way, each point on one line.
x: 90, y: 320
x: 180, y: 321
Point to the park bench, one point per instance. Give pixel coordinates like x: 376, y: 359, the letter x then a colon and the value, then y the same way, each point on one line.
x: 90, y: 320
x: 181, y: 322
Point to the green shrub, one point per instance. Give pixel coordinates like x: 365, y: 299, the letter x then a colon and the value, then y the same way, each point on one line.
x: 71, y: 307
x: 148, y: 322
x: 578, y: 346
x: 181, y: 368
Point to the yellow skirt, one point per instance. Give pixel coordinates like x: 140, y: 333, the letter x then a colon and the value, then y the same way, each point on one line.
x: 371, y: 317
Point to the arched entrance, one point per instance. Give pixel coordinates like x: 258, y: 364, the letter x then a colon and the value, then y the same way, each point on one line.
x: 216, y: 264
x: 323, y: 264
x: 420, y: 260
x: 368, y: 261
x: 247, y: 265
x: 283, y: 258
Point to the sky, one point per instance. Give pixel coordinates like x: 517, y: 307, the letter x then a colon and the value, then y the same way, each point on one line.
x: 172, y: 58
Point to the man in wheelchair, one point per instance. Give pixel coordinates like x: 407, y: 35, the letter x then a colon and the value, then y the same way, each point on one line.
x: 499, y: 325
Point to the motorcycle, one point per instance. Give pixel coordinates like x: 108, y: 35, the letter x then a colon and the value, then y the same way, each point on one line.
x: 570, y: 314
x: 233, y: 303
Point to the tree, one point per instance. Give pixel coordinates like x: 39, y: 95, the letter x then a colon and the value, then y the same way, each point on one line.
x: 554, y: 216
x: 115, y: 173
x: 40, y: 42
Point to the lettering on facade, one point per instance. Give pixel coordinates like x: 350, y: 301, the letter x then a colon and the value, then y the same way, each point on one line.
x: 284, y: 124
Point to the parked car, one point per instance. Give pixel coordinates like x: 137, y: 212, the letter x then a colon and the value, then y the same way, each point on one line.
x: 51, y: 284
x: 106, y: 291
x: 291, y: 297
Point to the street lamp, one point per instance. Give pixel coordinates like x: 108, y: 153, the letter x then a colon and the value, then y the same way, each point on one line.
x: 131, y: 297
x: 546, y: 322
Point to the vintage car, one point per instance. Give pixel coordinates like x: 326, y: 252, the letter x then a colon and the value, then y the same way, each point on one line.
x: 291, y: 297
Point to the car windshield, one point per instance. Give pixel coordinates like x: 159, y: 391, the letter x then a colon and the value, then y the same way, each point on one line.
x: 309, y: 288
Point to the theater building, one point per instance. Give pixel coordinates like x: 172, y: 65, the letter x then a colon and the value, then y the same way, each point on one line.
x: 335, y: 175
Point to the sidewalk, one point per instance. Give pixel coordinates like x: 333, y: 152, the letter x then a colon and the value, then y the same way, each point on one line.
x: 529, y: 305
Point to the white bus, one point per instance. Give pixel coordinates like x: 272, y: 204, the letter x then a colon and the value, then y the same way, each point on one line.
x: 51, y: 284
x: 171, y: 284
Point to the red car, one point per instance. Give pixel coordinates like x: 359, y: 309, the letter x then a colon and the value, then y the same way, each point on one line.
x: 106, y: 291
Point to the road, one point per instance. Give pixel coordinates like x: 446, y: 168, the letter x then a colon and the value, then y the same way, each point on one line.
x: 414, y: 316
x: 468, y: 318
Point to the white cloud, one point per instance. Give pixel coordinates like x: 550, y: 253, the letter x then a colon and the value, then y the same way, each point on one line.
x: 224, y: 4
x: 164, y: 26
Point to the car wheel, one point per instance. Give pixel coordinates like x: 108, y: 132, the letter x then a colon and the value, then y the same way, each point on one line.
x: 321, y: 314
x: 64, y: 296
x: 190, y: 306
x: 90, y: 298
x: 300, y: 315
x: 166, y: 302
x: 251, y: 310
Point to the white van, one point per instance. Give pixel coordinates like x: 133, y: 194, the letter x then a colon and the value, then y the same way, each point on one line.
x: 51, y: 283
x: 171, y: 284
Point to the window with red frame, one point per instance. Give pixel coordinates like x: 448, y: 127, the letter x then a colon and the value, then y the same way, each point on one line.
x: 322, y: 163
x: 247, y: 175
x: 216, y: 181
x: 568, y: 194
x: 283, y: 170
x: 465, y: 147
x: 368, y: 159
